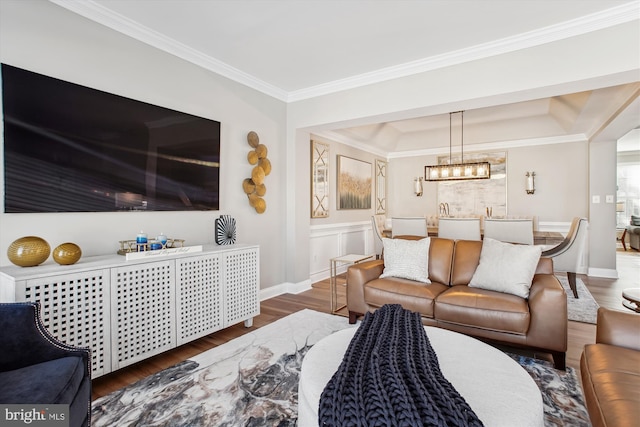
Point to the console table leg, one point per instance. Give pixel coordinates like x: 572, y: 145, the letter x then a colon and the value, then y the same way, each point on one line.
x: 248, y: 323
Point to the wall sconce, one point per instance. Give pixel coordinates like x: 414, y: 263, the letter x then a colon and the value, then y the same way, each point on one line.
x: 417, y: 186
x: 531, y: 185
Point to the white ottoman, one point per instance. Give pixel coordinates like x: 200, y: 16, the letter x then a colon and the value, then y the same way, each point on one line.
x: 496, y: 387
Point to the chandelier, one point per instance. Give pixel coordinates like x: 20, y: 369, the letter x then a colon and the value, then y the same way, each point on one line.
x: 457, y: 171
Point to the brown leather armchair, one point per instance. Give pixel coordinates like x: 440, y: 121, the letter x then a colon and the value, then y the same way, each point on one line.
x: 610, y: 370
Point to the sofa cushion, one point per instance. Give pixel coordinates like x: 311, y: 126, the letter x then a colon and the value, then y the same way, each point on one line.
x: 407, y: 259
x: 506, y: 267
x: 440, y: 256
x: 482, y: 308
x: 465, y: 261
x: 412, y: 295
x: 55, y: 381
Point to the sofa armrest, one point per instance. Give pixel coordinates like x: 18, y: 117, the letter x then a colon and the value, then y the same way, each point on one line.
x: 357, y: 276
x: 618, y: 328
x: 545, y: 266
x: 364, y: 272
x: 548, y: 309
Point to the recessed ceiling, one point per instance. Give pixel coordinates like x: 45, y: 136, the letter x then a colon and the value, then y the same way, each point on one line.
x: 296, y: 49
x: 570, y: 117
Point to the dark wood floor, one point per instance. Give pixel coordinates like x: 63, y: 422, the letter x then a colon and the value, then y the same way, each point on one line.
x: 607, y: 292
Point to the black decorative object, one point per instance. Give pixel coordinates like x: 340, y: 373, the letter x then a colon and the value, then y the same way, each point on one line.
x: 225, y: 230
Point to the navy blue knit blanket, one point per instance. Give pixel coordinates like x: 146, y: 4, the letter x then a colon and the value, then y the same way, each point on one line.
x: 390, y: 376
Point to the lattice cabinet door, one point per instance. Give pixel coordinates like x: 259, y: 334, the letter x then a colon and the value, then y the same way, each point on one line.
x: 75, y: 310
x: 199, y: 297
x: 242, y: 285
x: 143, y: 321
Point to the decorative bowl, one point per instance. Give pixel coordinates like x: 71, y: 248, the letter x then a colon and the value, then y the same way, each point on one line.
x: 67, y: 253
x: 28, y: 251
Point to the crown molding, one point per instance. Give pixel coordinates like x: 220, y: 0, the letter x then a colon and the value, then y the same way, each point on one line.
x: 593, y: 22
x: 472, y: 148
x: 104, y: 16
x: 586, y: 24
x: 492, y: 146
x: 363, y: 146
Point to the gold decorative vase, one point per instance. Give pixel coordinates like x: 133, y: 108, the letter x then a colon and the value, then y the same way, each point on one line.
x: 28, y: 251
x: 67, y: 253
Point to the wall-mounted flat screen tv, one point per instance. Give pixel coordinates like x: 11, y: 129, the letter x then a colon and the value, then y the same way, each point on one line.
x: 70, y: 148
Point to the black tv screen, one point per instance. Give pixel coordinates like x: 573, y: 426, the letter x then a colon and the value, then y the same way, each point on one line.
x: 70, y: 148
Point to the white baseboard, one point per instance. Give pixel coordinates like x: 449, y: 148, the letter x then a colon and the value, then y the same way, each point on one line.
x: 606, y: 273
x: 284, y: 288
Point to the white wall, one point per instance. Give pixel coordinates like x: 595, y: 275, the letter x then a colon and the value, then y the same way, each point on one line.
x: 42, y: 37
x: 562, y: 182
x: 602, y: 230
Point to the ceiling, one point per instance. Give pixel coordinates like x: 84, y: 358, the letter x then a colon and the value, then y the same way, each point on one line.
x: 297, y: 49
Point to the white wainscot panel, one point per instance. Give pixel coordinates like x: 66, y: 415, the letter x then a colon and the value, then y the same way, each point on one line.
x: 322, y: 249
x: 353, y: 242
x: 334, y: 240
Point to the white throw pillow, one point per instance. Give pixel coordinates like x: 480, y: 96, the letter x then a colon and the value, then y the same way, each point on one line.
x: 505, y: 267
x: 407, y: 259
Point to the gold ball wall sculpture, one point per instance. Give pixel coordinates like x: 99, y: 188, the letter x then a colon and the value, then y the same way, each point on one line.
x: 252, y: 157
x: 253, y: 139
x: 67, y: 253
x: 265, y: 164
x: 254, y: 187
x: 257, y: 175
x: 248, y: 186
x: 261, y: 151
x: 28, y: 251
x: 261, y: 190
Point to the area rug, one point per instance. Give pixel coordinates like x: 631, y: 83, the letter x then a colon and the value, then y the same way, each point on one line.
x: 253, y: 381
x: 582, y: 309
x: 561, y: 393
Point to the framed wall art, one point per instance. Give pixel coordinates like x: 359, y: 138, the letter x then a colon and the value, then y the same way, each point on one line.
x: 381, y: 186
x: 319, y: 180
x: 354, y: 183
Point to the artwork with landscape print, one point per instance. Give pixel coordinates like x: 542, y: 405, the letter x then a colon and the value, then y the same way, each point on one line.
x: 354, y: 183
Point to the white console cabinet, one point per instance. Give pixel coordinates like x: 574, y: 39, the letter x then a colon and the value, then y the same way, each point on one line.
x: 126, y: 311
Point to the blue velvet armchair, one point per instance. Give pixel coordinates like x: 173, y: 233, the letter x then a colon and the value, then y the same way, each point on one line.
x: 36, y: 368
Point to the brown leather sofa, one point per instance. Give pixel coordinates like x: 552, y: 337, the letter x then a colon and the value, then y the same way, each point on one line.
x: 610, y: 370
x: 539, y: 322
